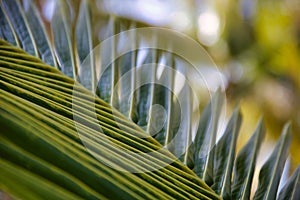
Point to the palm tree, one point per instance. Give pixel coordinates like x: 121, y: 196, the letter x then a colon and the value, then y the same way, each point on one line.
x: 65, y: 134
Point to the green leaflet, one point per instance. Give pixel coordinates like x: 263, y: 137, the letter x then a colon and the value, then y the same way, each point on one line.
x: 163, y: 117
x: 245, y: 164
x: 146, y: 79
x: 24, y: 184
x: 291, y: 189
x: 84, y: 32
x: 6, y: 30
x: 182, y: 131
x: 61, y: 25
x: 39, y: 33
x: 127, y: 66
x: 18, y: 20
x: 20, y: 157
x: 84, y: 46
x: 206, y: 138
x: 108, y: 73
x: 224, y: 156
x: 64, y: 156
x: 270, y: 173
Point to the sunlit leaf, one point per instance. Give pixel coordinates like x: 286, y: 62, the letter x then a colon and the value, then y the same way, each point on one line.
x: 270, y: 173
x: 224, y: 157
x: 39, y: 105
x: 28, y: 161
x: 26, y: 184
x: 291, y: 188
x: 245, y: 165
x: 206, y: 138
x: 41, y: 115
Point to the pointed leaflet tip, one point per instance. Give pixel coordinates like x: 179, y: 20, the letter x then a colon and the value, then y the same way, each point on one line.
x: 291, y: 190
x: 271, y: 171
x: 224, y: 156
x: 245, y: 164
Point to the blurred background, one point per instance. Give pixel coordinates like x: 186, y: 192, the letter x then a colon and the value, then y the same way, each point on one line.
x: 255, y: 44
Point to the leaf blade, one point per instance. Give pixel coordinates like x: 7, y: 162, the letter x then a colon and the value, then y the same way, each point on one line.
x: 245, y: 164
x: 84, y: 46
x: 270, y: 173
x: 206, y: 137
x: 61, y: 26
x: 6, y: 30
x: 39, y: 33
x: 20, y: 25
x: 224, y: 156
x: 24, y: 102
x: 291, y: 189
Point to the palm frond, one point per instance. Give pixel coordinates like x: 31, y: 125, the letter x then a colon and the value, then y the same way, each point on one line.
x: 39, y: 116
x: 30, y: 88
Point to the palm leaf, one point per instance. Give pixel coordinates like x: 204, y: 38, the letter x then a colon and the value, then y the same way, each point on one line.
x: 108, y: 74
x: 84, y: 45
x: 6, y: 31
x: 146, y: 79
x: 39, y: 33
x: 27, y: 185
x: 224, y: 157
x: 27, y: 83
x: 167, y: 100
x: 291, y: 188
x: 205, y: 139
x: 62, y: 28
x: 245, y: 164
x: 17, y: 18
x: 127, y: 94
x: 33, y: 112
x: 270, y: 173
